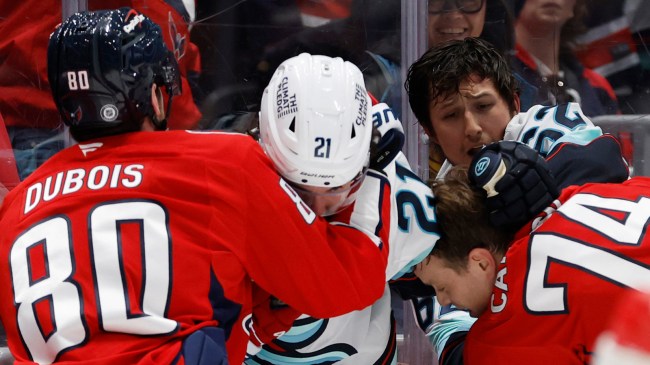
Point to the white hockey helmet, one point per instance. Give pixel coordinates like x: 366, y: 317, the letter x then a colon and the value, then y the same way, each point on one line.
x: 315, y: 121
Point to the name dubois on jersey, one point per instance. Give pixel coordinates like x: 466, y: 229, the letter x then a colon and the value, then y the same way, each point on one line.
x: 71, y: 181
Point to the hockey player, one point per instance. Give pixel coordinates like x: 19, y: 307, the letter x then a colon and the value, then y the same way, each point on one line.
x: 465, y: 96
x: 141, y: 247
x: 538, y: 298
x: 315, y: 130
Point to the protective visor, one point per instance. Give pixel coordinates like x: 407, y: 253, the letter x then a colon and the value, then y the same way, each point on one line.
x: 332, y: 201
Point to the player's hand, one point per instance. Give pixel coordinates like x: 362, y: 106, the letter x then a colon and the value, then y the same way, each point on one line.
x: 390, y: 140
x: 271, y: 319
x: 441, y: 324
x: 409, y: 286
x: 517, y: 180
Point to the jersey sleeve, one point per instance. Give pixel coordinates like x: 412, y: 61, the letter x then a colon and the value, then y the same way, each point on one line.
x: 320, y: 269
x: 601, y: 160
x: 444, y: 326
x: 543, y: 127
x: 414, y: 226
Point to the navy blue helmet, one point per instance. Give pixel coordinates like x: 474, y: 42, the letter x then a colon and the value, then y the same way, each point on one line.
x: 101, y: 66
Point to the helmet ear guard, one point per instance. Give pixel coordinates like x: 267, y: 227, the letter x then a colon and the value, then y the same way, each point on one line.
x: 101, y: 68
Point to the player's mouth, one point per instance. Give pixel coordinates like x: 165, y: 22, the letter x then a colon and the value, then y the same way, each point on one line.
x: 475, y: 150
x: 451, y: 31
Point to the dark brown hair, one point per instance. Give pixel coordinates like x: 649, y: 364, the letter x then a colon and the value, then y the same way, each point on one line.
x: 463, y: 220
x: 439, y: 72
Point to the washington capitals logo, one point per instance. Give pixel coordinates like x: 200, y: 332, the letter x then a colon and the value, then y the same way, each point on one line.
x: 178, y: 39
x: 77, y: 115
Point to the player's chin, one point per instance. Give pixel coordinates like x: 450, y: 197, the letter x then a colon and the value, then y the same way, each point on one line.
x: 476, y: 312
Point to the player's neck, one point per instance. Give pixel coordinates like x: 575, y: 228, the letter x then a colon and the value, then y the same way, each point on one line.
x: 147, y: 125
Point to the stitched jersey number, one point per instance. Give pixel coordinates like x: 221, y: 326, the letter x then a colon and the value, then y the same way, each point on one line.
x: 423, y: 211
x: 555, y: 122
x: 305, y: 211
x: 64, y: 296
x: 545, y: 249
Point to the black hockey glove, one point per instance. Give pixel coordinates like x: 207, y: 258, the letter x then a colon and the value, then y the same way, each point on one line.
x: 389, y: 140
x: 410, y: 286
x: 517, y: 180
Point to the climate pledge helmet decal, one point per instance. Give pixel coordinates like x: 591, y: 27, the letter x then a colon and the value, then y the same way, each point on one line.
x: 286, y: 103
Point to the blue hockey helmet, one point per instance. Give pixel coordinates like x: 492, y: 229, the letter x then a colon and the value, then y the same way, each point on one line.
x: 101, y: 66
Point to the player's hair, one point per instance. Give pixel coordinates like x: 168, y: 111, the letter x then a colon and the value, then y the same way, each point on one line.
x: 463, y: 220
x: 439, y: 72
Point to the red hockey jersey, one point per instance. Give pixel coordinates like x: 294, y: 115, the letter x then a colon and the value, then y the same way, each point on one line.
x: 554, y: 288
x: 117, y: 249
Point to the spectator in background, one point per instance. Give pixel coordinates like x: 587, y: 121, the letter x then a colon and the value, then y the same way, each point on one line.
x: 8, y: 173
x: 244, y: 42
x: 25, y: 99
x: 545, y: 32
x: 457, y: 19
x: 32, y: 120
x: 614, y: 46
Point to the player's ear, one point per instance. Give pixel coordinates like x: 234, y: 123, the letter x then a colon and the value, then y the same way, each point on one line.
x: 517, y: 102
x: 481, y: 260
x: 157, y: 102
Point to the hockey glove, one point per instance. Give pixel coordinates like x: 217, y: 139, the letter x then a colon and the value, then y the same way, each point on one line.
x: 444, y: 326
x: 271, y: 319
x: 390, y: 140
x: 517, y: 180
x: 409, y: 286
